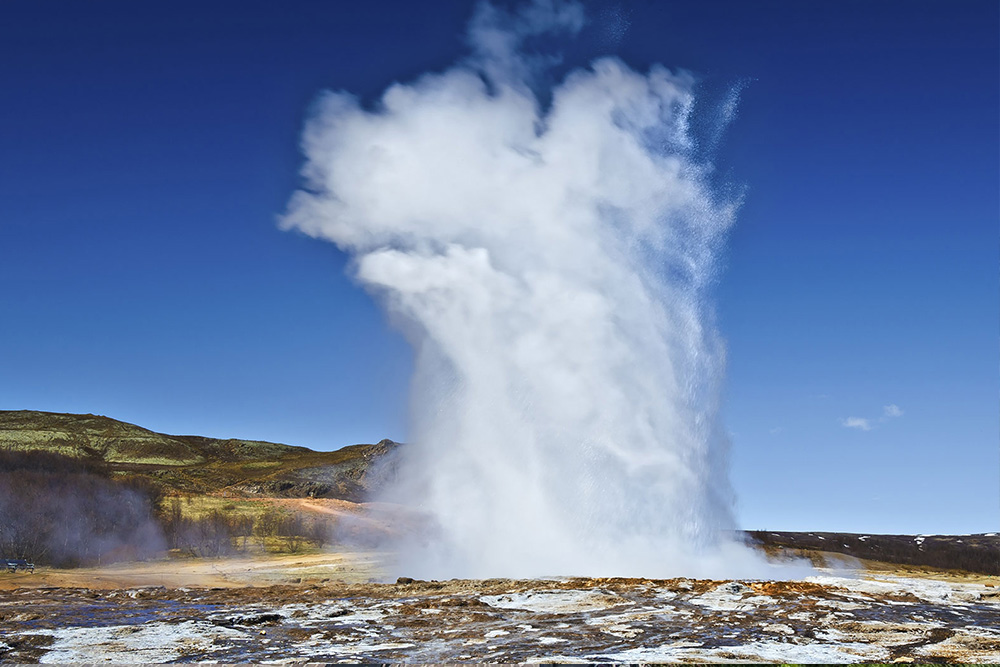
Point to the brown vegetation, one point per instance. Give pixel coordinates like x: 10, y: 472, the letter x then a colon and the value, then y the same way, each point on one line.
x: 971, y: 553
x: 220, y: 533
x: 187, y: 464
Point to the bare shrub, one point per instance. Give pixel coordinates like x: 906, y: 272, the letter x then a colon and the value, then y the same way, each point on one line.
x: 292, y: 528
x: 67, y: 512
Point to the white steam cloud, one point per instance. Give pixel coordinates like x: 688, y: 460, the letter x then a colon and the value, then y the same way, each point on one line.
x: 549, y: 266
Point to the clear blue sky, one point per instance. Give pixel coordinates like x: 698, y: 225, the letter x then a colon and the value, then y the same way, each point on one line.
x: 146, y: 150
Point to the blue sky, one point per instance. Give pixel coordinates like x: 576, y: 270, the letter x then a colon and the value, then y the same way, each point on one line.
x: 147, y: 149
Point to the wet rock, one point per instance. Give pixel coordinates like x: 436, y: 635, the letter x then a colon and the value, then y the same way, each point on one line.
x: 733, y: 587
x: 258, y: 619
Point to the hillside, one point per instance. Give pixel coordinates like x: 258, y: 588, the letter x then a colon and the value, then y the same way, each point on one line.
x: 971, y: 553
x: 196, y: 464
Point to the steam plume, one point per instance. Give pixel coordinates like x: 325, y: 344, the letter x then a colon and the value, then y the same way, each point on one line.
x: 549, y: 266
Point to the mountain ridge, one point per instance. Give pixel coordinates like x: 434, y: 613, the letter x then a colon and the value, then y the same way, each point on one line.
x: 196, y: 464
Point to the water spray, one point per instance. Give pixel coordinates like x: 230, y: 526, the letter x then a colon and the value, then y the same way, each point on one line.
x: 549, y: 263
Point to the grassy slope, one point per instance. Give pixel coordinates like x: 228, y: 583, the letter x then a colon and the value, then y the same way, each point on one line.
x: 192, y: 464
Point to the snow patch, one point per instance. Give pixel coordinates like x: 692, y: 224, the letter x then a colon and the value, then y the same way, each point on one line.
x: 728, y: 597
x: 777, y: 628
x: 929, y: 590
x: 808, y: 653
x: 554, y: 602
x: 547, y: 641
x: 150, y: 642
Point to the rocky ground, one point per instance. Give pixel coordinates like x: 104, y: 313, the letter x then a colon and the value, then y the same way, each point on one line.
x: 319, y: 608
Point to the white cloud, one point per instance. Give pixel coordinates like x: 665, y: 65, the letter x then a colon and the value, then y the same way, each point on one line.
x: 859, y: 423
x: 892, y: 411
x: 776, y: 430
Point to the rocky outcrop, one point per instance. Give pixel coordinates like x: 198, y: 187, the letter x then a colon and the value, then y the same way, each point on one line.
x: 356, y: 479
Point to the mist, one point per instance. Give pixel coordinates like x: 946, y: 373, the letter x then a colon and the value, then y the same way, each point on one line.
x: 65, y: 512
x: 548, y: 252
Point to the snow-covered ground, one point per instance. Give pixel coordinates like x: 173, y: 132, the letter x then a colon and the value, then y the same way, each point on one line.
x: 824, y: 618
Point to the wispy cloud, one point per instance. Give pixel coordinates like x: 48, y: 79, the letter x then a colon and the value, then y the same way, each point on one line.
x: 891, y: 411
x: 859, y: 423
x: 776, y: 430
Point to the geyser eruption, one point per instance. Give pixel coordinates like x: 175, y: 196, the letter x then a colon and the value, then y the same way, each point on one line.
x: 549, y: 264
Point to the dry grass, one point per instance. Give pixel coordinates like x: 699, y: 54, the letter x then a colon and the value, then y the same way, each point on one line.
x: 180, y: 464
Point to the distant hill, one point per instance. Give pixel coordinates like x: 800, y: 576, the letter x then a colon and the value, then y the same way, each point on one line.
x: 196, y: 464
x: 972, y: 553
